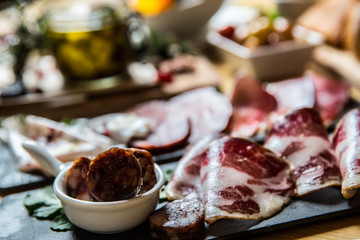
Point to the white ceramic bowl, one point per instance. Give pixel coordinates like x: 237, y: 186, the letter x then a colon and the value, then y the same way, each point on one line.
x: 267, y: 63
x: 108, y: 217
x: 185, y: 18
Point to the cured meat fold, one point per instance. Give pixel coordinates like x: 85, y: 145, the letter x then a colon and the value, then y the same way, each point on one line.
x: 243, y: 180
x: 302, y: 139
x: 186, y: 182
x: 237, y: 178
x: 346, y: 142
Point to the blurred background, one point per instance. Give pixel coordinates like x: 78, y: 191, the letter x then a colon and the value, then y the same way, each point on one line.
x: 88, y: 57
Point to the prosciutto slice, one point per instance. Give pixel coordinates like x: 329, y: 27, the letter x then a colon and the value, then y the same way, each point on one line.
x: 302, y: 138
x: 185, y: 181
x: 65, y: 142
x: 346, y: 142
x: 243, y: 180
x: 208, y: 110
x: 331, y: 97
x: 252, y: 104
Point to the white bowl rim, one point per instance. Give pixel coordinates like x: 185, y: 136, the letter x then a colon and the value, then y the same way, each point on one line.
x: 89, y: 204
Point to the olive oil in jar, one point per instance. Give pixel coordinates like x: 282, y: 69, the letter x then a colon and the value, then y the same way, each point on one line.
x: 89, y: 41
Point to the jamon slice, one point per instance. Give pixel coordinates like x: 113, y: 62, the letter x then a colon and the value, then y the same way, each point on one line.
x: 251, y: 104
x: 292, y: 94
x: 243, y: 180
x: 346, y: 142
x: 185, y: 181
x: 169, y: 129
x: 178, y: 220
x: 208, y: 110
x: 303, y: 140
x: 331, y: 97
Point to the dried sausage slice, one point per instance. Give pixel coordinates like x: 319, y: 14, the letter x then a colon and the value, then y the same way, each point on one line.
x: 179, y: 219
x: 147, y: 167
x: 114, y: 175
x: 76, y: 180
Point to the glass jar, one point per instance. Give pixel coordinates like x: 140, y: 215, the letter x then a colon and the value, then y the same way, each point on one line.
x: 89, y: 38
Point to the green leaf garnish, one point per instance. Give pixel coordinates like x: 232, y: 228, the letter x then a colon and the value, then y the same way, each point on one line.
x: 43, y: 204
x: 168, y: 175
x: 61, y: 223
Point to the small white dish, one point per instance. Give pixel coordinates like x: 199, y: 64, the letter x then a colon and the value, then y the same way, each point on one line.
x: 185, y: 18
x: 108, y: 217
x: 98, y: 217
x: 267, y: 63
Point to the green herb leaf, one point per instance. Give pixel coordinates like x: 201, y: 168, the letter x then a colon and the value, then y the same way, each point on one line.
x: 61, y: 223
x: 43, y: 204
x: 168, y: 175
x: 46, y: 212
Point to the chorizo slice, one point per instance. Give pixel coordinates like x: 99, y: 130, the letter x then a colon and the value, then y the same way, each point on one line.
x: 147, y: 166
x: 114, y: 175
x: 179, y: 219
x: 76, y: 186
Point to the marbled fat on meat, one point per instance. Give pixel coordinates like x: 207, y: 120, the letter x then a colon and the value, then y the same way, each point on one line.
x: 346, y: 142
x: 185, y: 181
x: 243, y: 180
x: 302, y: 138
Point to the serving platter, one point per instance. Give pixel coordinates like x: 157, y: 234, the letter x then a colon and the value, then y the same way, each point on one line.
x: 16, y: 224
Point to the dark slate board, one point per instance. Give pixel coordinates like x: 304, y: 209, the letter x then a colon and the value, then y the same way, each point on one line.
x: 11, y: 179
x: 328, y: 203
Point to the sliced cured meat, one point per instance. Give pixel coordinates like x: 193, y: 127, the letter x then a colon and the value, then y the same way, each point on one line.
x: 243, y: 180
x: 65, y: 142
x: 114, y: 175
x: 185, y: 181
x: 292, y: 94
x: 346, y: 142
x: 302, y: 138
x: 331, y: 97
x: 147, y: 166
x: 120, y: 127
x: 169, y: 129
x: 208, y: 110
x: 76, y: 186
x: 178, y: 220
x: 251, y: 104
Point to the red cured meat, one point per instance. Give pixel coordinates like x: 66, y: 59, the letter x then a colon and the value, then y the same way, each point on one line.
x: 292, y: 94
x: 346, y: 142
x: 243, y: 180
x: 304, y: 122
x: 331, y: 97
x: 252, y: 104
x: 302, y: 138
x: 185, y: 182
x: 169, y: 130
x: 208, y: 110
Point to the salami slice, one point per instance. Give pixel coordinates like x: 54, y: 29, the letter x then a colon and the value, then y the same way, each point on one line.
x: 180, y: 219
x: 346, y: 142
x: 169, y: 128
x: 147, y: 168
x: 302, y: 138
x: 114, y: 175
x: 76, y: 185
x: 209, y: 111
